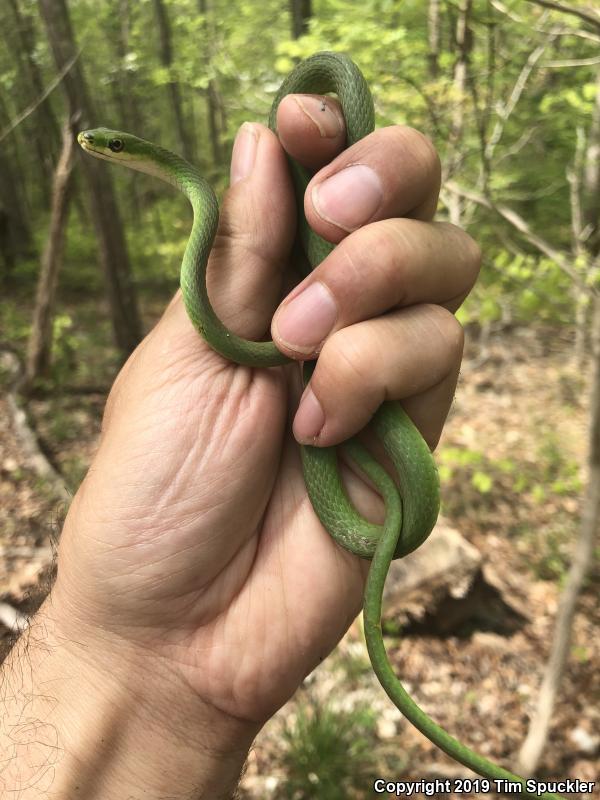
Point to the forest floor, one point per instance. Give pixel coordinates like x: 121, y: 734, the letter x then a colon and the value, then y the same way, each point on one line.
x: 511, y: 461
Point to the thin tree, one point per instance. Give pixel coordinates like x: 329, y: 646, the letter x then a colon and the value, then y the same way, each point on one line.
x: 40, y: 338
x: 46, y: 130
x: 581, y: 262
x: 539, y: 726
x: 464, y: 43
x: 433, y: 36
x: 300, y: 12
x: 15, y: 226
x: 589, y: 247
x: 166, y: 57
x: 588, y: 240
x: 105, y: 214
x: 214, y: 103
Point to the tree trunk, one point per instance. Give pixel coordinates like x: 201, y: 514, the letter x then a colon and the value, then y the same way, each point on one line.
x: 109, y: 231
x: 166, y: 57
x: 214, y: 104
x: 464, y: 42
x: 40, y: 339
x: 433, y: 30
x: 128, y: 104
x: 301, y: 12
x: 15, y: 227
x: 585, y: 210
x: 591, y: 184
x: 125, y: 99
x: 15, y: 234
x: 580, y: 293
x: 537, y: 735
x: 46, y: 131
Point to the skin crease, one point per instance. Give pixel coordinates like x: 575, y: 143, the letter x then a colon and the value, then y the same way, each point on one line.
x: 191, y: 544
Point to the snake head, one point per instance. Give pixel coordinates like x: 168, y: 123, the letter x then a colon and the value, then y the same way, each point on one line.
x: 114, y: 146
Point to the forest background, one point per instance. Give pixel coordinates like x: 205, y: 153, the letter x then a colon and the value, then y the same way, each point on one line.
x: 508, y: 92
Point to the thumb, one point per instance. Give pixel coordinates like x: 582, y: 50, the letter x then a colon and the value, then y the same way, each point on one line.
x: 255, y: 234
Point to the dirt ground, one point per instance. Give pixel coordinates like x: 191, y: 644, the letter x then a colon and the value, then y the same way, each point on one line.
x: 512, y: 465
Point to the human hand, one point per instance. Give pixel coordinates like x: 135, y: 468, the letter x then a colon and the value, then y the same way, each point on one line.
x: 191, y: 549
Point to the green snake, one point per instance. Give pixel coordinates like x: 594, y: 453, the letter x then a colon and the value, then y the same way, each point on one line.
x: 411, y: 512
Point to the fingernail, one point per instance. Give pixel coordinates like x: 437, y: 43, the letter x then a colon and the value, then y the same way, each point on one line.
x: 305, y: 321
x: 309, y: 419
x: 349, y: 198
x: 244, y: 153
x: 321, y: 113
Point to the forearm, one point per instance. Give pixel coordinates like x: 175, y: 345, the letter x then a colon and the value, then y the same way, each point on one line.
x: 79, y: 719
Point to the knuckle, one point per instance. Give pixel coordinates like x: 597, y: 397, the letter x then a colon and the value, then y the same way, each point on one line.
x: 467, y: 248
x: 352, y: 268
x: 448, y: 328
x: 474, y: 255
x: 387, y: 245
x: 424, y: 152
x: 343, y: 359
x: 370, y: 261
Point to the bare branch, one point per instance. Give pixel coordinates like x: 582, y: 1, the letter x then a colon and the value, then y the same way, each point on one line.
x: 521, y: 142
x: 514, y: 97
x: 38, y: 102
x: 586, y: 16
x: 573, y: 62
x: 431, y: 107
x: 519, y: 223
x: 555, y: 31
x: 574, y: 177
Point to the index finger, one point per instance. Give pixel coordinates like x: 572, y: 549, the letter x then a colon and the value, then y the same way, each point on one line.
x: 393, y: 172
x: 311, y: 128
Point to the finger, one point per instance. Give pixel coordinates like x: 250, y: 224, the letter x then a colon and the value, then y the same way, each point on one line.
x: 393, y: 172
x: 311, y: 128
x: 256, y: 231
x: 411, y: 353
x: 385, y: 265
x: 254, y: 237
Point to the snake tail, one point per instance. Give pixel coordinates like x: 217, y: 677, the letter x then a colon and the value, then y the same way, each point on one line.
x: 384, y: 553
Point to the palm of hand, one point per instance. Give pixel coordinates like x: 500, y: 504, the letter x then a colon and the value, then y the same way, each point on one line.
x: 212, y: 556
x: 192, y: 538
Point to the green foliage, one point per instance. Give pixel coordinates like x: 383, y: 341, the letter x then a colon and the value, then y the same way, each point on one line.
x: 65, y: 345
x: 14, y: 322
x: 560, y: 475
x: 474, y: 481
x: 355, y: 666
x: 550, y: 549
x: 327, y: 753
x: 81, y: 274
x: 158, y: 242
x: 534, y: 289
x: 242, y: 50
x: 581, y: 653
x: 73, y: 470
x: 550, y: 472
x: 453, y: 461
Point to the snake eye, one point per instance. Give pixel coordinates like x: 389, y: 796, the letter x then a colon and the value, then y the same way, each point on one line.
x: 116, y: 145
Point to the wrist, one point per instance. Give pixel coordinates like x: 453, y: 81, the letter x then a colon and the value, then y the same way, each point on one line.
x: 87, y: 716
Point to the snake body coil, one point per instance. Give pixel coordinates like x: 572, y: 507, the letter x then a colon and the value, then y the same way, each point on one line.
x: 411, y: 512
